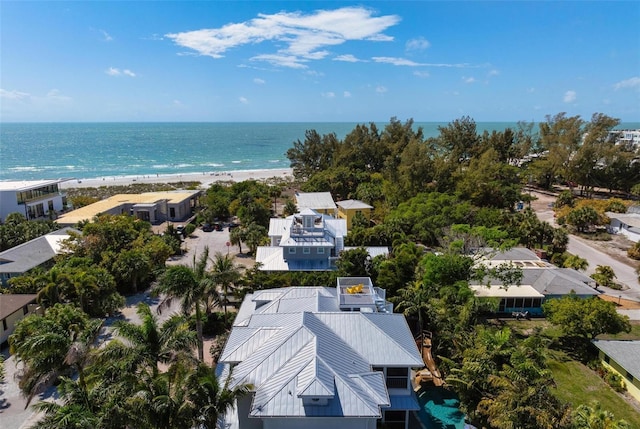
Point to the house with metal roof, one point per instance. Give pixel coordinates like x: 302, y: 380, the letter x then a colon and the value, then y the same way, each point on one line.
x: 34, y: 253
x: 348, y: 209
x: 306, y: 241
x: 13, y: 308
x: 321, y: 202
x: 621, y: 357
x: 627, y: 224
x: 153, y: 207
x: 540, y: 281
x: 319, y: 357
x: 35, y: 199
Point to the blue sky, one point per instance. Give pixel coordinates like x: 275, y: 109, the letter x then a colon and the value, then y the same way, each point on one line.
x: 318, y: 61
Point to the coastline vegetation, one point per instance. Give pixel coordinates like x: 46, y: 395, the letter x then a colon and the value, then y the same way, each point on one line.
x: 435, y: 200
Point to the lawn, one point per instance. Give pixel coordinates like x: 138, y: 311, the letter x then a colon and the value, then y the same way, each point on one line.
x: 633, y: 335
x: 578, y: 384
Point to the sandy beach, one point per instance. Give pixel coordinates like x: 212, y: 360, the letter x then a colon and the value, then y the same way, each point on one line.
x: 206, y: 178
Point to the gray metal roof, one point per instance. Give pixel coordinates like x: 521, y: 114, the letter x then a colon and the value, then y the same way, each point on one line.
x: 315, y: 200
x: 289, y: 354
x: 631, y: 219
x: 625, y: 353
x: 353, y: 204
x: 29, y: 255
x: 550, y: 281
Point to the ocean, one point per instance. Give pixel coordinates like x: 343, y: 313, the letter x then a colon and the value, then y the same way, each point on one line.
x: 35, y: 151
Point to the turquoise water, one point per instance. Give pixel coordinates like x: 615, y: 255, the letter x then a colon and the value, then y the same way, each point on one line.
x: 31, y: 151
x: 439, y: 409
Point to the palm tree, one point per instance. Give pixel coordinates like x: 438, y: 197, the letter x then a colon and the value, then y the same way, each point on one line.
x: 145, y: 345
x: 208, y: 397
x: 576, y: 262
x: 192, y: 286
x: 224, y: 274
x: 593, y: 416
x: 413, y: 300
x: 235, y: 237
x: 52, y: 345
x: 76, y: 409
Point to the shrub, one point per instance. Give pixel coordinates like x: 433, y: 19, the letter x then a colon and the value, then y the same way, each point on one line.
x: 615, y: 381
x: 634, y: 251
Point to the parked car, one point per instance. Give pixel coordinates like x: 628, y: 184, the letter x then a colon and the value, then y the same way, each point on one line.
x: 217, y: 226
x: 207, y: 227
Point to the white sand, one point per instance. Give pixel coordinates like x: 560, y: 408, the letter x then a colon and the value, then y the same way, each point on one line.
x: 205, y: 178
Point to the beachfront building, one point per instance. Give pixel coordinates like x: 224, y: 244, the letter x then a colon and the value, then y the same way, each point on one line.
x: 38, y: 252
x: 540, y: 281
x: 321, y: 202
x: 34, y: 199
x: 627, y: 224
x: 153, y: 207
x: 627, y: 138
x: 348, y: 209
x: 306, y: 241
x: 13, y: 308
x: 621, y: 357
x: 320, y: 357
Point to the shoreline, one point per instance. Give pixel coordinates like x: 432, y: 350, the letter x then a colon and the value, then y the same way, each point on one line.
x: 205, y: 178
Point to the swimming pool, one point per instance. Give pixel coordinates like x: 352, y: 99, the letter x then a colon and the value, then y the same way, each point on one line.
x: 439, y: 409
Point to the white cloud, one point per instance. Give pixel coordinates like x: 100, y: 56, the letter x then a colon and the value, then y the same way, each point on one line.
x: 421, y: 73
x: 106, y: 36
x: 243, y: 100
x: 469, y: 79
x: 14, y: 95
x: 348, y: 58
x: 381, y: 89
x: 329, y: 94
x: 112, y: 71
x: 569, y: 97
x: 304, y: 36
x: 417, y: 44
x: 290, y: 61
x: 258, y: 81
x: 531, y: 90
x: 396, y: 61
x: 633, y: 82
x: 493, y: 72
x: 346, y: 94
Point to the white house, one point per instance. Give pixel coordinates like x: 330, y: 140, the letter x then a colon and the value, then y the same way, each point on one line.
x: 627, y: 224
x: 306, y: 241
x: 33, y: 199
x: 320, y: 357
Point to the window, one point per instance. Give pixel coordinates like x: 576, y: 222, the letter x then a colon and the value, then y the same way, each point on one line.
x: 306, y: 250
x: 394, y: 419
x: 292, y: 250
x: 397, y: 378
x: 320, y: 250
x: 172, y: 212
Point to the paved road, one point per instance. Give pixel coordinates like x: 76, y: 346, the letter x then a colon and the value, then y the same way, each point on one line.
x: 625, y: 274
